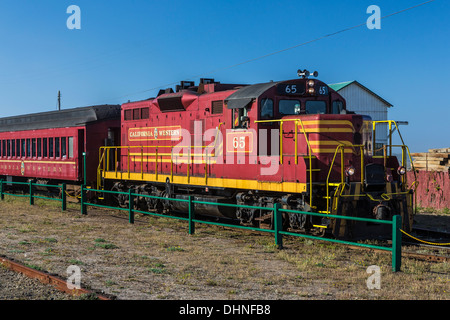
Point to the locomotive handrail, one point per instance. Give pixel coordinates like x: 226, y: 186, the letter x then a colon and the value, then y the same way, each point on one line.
x: 104, y: 160
x: 310, y: 169
x: 374, y: 123
x: 405, y: 149
x: 341, y: 148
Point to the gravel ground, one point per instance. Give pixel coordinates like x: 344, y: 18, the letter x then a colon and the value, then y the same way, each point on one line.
x: 16, y: 286
x: 156, y: 259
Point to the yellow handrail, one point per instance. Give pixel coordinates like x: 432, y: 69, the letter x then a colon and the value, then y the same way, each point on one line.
x: 341, y: 148
x: 405, y: 148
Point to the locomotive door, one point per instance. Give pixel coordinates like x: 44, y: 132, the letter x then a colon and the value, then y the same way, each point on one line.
x: 81, y: 149
x: 111, y: 141
x: 268, y: 142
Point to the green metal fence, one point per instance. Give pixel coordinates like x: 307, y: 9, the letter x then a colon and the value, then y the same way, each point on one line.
x: 31, y: 192
x: 278, y: 231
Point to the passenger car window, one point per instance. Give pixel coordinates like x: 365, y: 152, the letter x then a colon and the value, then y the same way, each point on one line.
x: 44, y: 147
x: 50, y: 147
x: 39, y: 148
x: 33, y: 148
x: 70, y: 147
x: 57, y: 148
x: 63, y: 147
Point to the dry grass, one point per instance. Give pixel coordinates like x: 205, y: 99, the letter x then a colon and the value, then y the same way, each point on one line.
x: 156, y: 259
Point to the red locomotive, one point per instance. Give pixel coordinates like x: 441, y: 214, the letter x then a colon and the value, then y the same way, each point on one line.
x: 290, y: 142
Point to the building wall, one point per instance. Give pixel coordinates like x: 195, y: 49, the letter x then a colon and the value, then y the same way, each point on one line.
x: 433, y: 189
x: 363, y: 102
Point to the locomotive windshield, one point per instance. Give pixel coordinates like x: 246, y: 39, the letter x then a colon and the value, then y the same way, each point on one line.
x: 290, y: 107
x: 286, y: 107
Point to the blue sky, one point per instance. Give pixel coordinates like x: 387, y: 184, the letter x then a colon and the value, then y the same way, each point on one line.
x: 126, y: 50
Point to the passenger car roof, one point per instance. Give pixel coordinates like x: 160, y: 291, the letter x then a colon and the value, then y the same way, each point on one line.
x: 60, y: 119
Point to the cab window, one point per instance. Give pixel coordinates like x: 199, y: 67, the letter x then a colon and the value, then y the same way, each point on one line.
x: 286, y: 107
x: 266, y: 109
x: 316, y: 107
x: 337, y: 107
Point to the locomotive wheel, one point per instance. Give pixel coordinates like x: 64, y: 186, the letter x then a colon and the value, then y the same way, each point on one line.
x: 120, y: 200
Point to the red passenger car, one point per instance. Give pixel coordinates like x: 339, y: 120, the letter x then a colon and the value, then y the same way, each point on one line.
x: 49, y: 146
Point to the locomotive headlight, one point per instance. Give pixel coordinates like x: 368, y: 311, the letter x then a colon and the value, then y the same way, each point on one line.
x: 311, y: 90
x: 350, y: 171
x: 401, y: 170
x: 311, y: 83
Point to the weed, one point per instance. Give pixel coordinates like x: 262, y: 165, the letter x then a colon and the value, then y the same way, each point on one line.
x: 76, y: 262
x: 176, y: 248
x: 106, y: 245
x: 33, y: 266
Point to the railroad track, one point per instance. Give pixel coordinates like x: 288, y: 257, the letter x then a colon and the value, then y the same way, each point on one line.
x: 52, y: 280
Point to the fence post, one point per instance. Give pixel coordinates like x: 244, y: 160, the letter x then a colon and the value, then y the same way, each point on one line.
x: 2, y: 196
x: 63, y: 197
x: 396, y: 243
x: 83, y: 200
x: 191, y: 216
x: 278, y: 224
x: 130, y: 206
x: 31, y: 193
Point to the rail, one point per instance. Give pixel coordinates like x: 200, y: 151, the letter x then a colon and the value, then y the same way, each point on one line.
x: 31, y: 192
x: 277, y: 212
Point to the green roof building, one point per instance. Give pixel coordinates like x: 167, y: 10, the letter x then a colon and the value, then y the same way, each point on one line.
x: 362, y: 100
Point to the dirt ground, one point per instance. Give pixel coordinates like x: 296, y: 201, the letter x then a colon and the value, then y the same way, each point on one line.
x: 156, y: 258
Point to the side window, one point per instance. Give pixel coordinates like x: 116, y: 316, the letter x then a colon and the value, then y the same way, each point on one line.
x: 39, y: 148
x: 70, y: 147
x: 50, y: 147
x: 9, y: 148
x: 13, y: 148
x: 18, y: 148
x: 33, y: 148
x: 44, y: 148
x: 4, y: 148
x: 23, y: 147
x: 28, y: 148
x: 63, y: 147
x: 266, y: 111
x: 240, y: 119
x: 57, y: 148
x: 337, y: 107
